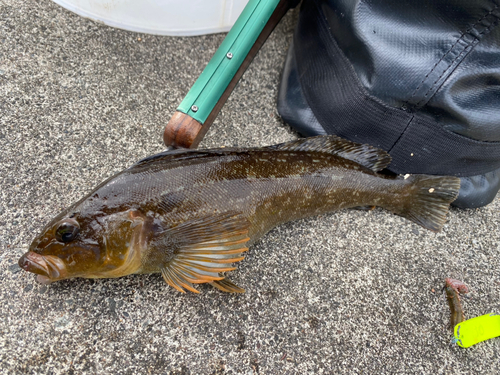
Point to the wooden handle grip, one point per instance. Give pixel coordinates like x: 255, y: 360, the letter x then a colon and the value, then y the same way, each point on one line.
x: 183, y: 131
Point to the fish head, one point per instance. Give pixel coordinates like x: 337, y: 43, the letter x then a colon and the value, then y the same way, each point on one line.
x: 89, y: 246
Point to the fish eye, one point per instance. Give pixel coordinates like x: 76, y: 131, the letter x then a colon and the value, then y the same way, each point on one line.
x: 67, y: 230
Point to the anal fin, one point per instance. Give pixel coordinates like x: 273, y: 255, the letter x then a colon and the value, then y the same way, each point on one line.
x: 364, y: 208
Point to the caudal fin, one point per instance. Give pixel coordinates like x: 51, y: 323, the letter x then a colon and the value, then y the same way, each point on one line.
x: 429, y: 200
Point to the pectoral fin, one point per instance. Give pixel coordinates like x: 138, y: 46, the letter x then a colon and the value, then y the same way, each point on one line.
x: 227, y: 286
x: 204, y: 248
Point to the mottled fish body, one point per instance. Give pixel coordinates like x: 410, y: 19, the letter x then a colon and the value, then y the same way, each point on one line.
x: 191, y: 214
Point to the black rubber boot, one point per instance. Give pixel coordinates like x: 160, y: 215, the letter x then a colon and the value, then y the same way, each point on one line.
x: 420, y: 80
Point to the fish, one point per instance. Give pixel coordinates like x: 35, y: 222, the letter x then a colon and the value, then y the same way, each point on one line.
x: 191, y: 215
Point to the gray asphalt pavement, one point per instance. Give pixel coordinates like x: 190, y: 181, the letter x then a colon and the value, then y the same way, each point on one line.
x: 350, y: 292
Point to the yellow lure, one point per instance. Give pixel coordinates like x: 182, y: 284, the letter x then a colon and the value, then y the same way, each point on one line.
x: 478, y: 329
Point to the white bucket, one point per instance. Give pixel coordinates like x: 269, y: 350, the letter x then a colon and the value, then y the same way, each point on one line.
x: 163, y: 17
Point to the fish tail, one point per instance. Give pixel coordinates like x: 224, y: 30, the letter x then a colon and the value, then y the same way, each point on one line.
x: 430, y: 200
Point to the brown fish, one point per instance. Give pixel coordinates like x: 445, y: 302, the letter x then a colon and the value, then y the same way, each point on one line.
x: 191, y: 214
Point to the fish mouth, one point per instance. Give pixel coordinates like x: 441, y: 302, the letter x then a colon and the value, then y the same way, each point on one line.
x: 49, y: 268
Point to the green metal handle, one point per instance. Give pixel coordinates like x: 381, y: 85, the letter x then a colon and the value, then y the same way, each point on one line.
x: 208, y: 89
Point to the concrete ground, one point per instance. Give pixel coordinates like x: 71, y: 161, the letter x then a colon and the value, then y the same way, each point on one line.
x: 350, y: 292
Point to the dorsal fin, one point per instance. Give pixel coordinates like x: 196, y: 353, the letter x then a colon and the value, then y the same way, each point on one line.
x: 366, y: 155
x: 177, y: 154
